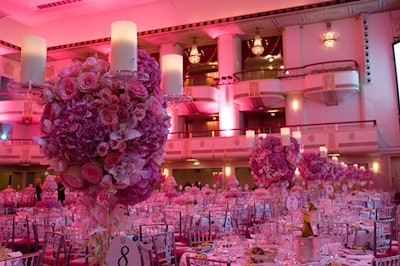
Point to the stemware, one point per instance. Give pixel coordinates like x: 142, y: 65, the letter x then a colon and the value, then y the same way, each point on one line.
x: 334, y: 250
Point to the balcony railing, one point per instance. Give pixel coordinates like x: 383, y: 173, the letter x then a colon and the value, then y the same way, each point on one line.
x: 262, y: 73
x: 200, y: 80
x: 321, y: 67
x: 333, y: 126
x: 271, y: 73
x: 340, y: 137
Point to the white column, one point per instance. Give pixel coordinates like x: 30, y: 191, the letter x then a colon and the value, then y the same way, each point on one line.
x: 229, y: 62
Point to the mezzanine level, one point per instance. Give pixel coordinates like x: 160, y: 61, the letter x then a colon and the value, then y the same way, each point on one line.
x: 341, y: 137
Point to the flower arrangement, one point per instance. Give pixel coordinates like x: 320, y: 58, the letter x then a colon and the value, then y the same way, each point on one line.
x: 260, y: 192
x: 104, y: 136
x: 271, y: 162
x: 232, y: 182
x: 336, y: 171
x: 358, y: 178
x: 185, y: 199
x: 218, y: 177
x: 193, y: 190
x: 49, y: 184
x: 168, y: 187
x: 313, y: 168
x: 206, y: 190
x: 48, y: 204
x: 353, y: 174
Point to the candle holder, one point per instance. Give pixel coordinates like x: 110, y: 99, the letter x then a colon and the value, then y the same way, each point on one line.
x: 174, y: 99
x: 126, y: 76
x: 30, y: 93
x: 30, y: 87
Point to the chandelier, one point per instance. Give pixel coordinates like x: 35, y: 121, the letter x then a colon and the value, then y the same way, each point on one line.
x: 193, y: 54
x: 329, y: 37
x: 256, y: 46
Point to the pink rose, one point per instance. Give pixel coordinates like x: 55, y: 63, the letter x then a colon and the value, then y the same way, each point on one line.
x: 111, y: 160
x: 66, y: 89
x: 139, y: 113
x: 102, y: 149
x: 123, y: 115
x: 92, y: 173
x: 156, y: 108
x: 71, y: 70
x: 88, y: 98
x: 139, y: 90
x: 120, y: 185
x: 88, y: 82
x: 105, y: 95
x: 72, y: 176
x: 113, y: 108
x: 114, y: 143
x: 89, y: 63
x: 106, y: 182
x: 47, y: 95
x: 108, y: 118
x: 122, y: 146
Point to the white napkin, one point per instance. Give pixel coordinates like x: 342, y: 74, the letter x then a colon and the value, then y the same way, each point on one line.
x: 361, y: 256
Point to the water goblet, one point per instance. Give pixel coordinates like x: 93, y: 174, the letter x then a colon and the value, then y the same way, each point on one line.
x: 333, y: 250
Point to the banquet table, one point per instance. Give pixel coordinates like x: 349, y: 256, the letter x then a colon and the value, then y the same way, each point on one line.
x: 277, y: 256
x: 8, y: 254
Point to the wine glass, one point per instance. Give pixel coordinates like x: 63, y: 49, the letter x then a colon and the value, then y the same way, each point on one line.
x: 333, y: 250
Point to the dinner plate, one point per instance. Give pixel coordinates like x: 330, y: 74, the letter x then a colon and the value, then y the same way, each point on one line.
x: 201, y: 249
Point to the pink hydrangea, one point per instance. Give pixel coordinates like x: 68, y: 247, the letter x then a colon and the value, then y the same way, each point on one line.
x: 271, y: 162
x: 103, y: 135
x: 313, y: 167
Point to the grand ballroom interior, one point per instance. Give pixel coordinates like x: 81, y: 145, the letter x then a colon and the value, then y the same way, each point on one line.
x: 343, y: 97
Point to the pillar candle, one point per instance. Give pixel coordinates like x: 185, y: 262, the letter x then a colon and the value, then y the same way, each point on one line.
x: 123, y: 46
x: 33, y: 59
x: 323, y: 152
x: 250, y: 136
x: 285, y: 136
x: 172, y: 73
x: 297, y: 136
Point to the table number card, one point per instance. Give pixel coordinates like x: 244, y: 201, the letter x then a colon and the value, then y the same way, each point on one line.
x: 292, y: 203
x: 123, y: 252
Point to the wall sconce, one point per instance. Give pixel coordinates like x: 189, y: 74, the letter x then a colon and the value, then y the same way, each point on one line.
x: 228, y: 171
x: 375, y: 167
x: 193, y: 54
x: 295, y: 105
x: 257, y: 46
x: 165, y: 172
x: 329, y: 37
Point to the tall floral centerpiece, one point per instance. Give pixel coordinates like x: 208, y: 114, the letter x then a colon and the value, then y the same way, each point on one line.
x: 104, y: 136
x: 271, y: 162
x: 273, y: 165
x: 313, y: 169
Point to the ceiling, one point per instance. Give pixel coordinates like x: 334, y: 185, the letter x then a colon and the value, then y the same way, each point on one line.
x: 33, y: 13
